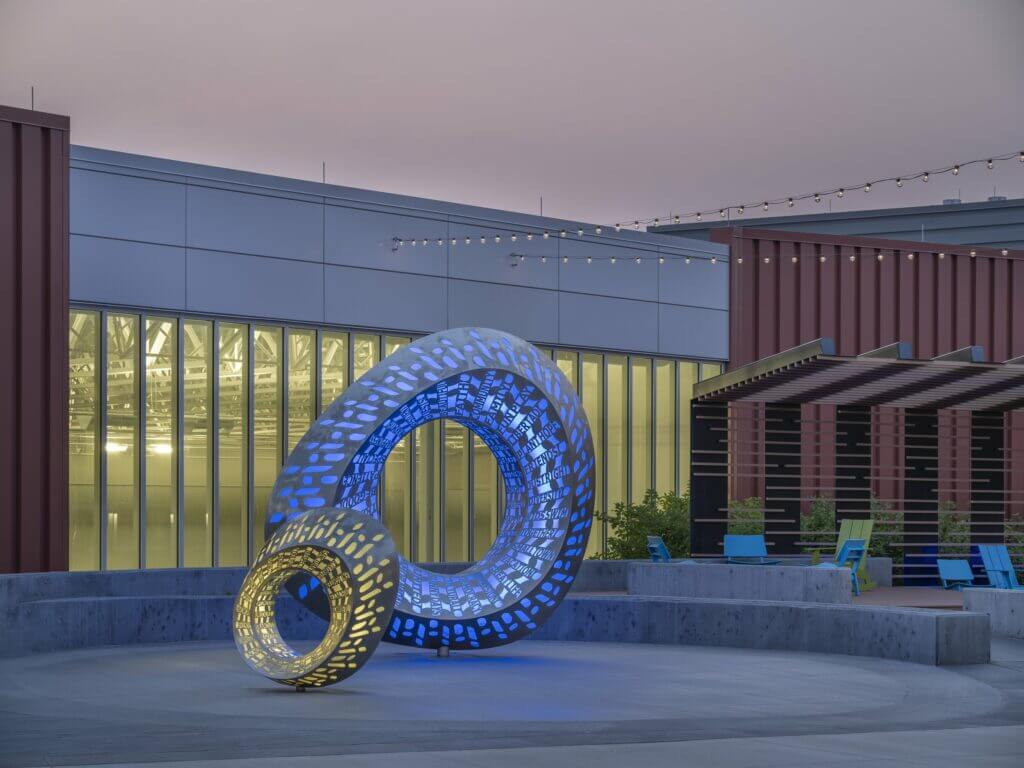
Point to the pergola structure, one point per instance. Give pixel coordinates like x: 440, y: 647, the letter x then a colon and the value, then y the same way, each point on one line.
x: 813, y: 373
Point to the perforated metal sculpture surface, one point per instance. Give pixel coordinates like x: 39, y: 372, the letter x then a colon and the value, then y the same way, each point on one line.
x: 351, y: 559
x: 524, y: 409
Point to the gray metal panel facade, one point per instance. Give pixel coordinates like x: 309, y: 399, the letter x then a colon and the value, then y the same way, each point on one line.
x: 165, y: 235
x: 996, y: 223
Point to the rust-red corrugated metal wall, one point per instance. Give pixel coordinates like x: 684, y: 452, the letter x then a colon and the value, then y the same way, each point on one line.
x: 791, y: 287
x: 34, y: 162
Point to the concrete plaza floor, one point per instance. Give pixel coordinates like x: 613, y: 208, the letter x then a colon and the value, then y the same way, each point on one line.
x: 532, y: 703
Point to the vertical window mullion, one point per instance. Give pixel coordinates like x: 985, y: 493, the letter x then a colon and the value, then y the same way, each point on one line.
x: 249, y: 481
x: 141, y: 452
x: 215, y: 443
x: 179, y: 439
x: 102, y: 407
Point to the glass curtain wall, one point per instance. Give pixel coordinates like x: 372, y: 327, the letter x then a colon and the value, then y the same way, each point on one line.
x: 178, y: 427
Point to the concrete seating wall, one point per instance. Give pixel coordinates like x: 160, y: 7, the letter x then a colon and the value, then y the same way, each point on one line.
x: 752, y: 582
x: 1004, y: 608
x: 905, y: 634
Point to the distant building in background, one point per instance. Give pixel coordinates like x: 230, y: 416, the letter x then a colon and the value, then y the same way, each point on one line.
x: 996, y: 222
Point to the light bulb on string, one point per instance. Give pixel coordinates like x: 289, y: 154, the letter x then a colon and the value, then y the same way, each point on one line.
x: 657, y: 221
x: 789, y: 202
x: 412, y: 243
x: 513, y: 238
x: 497, y: 239
x: 661, y: 259
x: 400, y: 243
x: 925, y: 176
x: 841, y: 192
x: 597, y: 231
x: 636, y: 225
x: 613, y: 259
x: 764, y: 205
x: 590, y: 259
x: 675, y: 219
x: 714, y: 259
x: 483, y: 240
x: 424, y: 241
x: 899, y: 182
x: 687, y: 259
x: 440, y: 241
x: 454, y: 241
x: 910, y: 256
x: 637, y: 259
x: 565, y: 259
x: 989, y: 164
x: 698, y: 216
x: 545, y: 234
x: 721, y: 212
x: 817, y: 197
x: 879, y: 256
x: 579, y: 232
x: 867, y: 187
x: 618, y: 227
x: 562, y: 233
x: 543, y: 259
x: 1021, y: 158
x: 740, y: 210
x: 956, y: 170
x: 467, y: 239
x: 529, y: 235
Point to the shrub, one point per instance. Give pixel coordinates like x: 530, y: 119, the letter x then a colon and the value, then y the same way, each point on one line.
x: 666, y: 515
x: 746, y: 517
x: 887, y: 532
x: 954, y: 530
x: 818, y: 527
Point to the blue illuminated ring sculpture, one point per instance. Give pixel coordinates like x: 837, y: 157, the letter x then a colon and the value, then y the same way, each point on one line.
x: 526, y: 411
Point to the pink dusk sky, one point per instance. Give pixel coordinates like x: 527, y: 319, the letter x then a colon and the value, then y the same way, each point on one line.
x: 610, y: 110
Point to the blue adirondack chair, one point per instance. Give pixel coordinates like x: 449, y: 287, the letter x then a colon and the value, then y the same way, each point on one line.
x: 998, y: 566
x: 657, y: 550
x: 849, y: 556
x: 955, y: 574
x: 747, y: 550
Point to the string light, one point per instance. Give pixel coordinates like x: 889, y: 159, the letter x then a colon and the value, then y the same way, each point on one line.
x: 739, y: 208
x: 661, y: 259
x: 880, y: 256
x: 637, y: 259
x: 613, y: 259
x: 910, y: 256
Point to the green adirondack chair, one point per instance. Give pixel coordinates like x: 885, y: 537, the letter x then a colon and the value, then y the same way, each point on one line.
x: 857, y: 529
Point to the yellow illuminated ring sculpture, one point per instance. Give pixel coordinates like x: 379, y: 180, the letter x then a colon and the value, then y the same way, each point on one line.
x: 353, y: 557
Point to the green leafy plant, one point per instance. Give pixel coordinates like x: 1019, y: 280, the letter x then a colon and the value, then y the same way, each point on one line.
x: 666, y: 515
x: 746, y: 517
x: 887, y: 532
x: 818, y: 526
x: 954, y: 530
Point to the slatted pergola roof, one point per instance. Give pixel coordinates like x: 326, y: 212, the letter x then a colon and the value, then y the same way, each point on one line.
x: 889, y: 376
